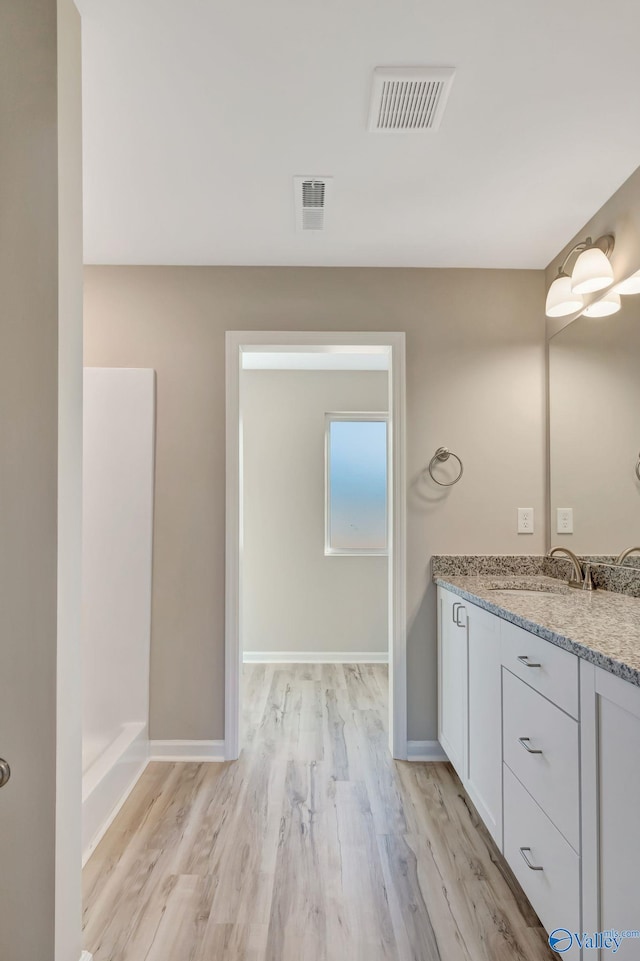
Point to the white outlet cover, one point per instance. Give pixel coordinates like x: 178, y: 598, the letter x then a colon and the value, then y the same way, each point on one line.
x: 564, y: 520
x: 525, y: 520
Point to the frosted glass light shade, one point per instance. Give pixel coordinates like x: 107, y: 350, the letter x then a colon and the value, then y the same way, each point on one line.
x: 592, y: 272
x: 560, y: 300
x: 610, y: 304
x: 629, y: 286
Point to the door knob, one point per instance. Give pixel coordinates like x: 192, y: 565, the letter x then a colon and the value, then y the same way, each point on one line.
x: 5, y: 772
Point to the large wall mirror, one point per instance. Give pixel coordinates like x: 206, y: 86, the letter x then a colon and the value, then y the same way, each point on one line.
x: 594, y: 409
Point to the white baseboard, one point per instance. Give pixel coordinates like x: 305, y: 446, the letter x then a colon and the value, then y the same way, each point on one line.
x: 109, y: 781
x: 97, y: 838
x: 315, y: 657
x: 187, y: 750
x: 85, y: 956
x: 425, y: 751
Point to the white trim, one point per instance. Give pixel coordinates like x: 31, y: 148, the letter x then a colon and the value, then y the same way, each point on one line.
x: 104, y: 827
x: 315, y: 657
x: 233, y: 540
x: 394, y: 342
x: 85, y: 956
x: 398, y: 548
x: 425, y: 751
x: 109, y: 781
x: 187, y: 750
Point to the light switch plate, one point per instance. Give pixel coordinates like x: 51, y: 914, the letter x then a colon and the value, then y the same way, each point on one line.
x: 564, y: 520
x: 525, y: 520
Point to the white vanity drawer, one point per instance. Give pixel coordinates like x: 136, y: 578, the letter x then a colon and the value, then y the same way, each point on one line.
x: 531, y: 723
x: 548, y: 668
x: 553, y: 891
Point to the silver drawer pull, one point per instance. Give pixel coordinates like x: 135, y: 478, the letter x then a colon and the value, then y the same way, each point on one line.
x: 525, y: 743
x: 532, y: 867
x: 527, y: 663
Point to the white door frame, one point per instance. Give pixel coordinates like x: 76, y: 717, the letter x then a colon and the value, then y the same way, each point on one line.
x: 281, y: 340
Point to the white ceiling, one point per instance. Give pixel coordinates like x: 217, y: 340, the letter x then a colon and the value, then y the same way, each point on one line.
x: 198, y: 114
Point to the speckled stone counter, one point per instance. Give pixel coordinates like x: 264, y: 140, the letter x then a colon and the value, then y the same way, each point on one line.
x: 619, y: 580
x: 600, y: 626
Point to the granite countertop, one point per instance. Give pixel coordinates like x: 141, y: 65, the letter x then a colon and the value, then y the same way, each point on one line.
x: 600, y: 626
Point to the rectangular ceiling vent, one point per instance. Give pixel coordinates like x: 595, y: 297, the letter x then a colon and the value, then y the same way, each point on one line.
x: 408, y: 98
x: 311, y: 197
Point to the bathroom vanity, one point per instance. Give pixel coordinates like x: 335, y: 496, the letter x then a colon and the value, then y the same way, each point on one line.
x: 539, y: 713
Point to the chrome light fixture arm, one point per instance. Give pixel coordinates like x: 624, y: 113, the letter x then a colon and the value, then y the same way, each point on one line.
x: 606, y: 244
x: 591, y: 272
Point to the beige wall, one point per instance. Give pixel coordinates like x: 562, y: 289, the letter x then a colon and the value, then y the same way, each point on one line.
x: 475, y: 382
x: 40, y: 279
x: 294, y: 597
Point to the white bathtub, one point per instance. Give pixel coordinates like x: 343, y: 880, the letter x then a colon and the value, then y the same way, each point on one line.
x: 110, y: 773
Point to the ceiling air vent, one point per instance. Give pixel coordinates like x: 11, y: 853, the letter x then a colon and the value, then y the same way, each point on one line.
x: 311, y: 196
x: 408, y: 98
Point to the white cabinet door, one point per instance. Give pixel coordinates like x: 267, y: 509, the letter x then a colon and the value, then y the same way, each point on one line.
x: 541, y: 746
x: 543, y: 861
x: 483, y: 779
x: 452, y: 679
x: 611, y: 806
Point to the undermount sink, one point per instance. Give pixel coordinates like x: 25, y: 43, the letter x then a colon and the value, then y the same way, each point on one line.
x: 524, y: 590
x: 526, y: 586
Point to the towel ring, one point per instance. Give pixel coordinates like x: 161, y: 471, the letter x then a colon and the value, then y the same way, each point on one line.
x: 443, y: 454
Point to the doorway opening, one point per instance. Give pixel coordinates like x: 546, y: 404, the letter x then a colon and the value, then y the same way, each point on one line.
x: 368, y: 439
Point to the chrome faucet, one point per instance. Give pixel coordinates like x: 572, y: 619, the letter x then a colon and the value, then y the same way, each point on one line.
x: 583, y: 581
x: 625, y: 554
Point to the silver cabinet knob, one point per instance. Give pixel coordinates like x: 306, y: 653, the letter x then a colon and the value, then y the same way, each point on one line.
x: 5, y: 772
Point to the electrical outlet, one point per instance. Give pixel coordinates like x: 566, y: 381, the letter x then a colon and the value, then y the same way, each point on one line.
x: 564, y: 520
x: 525, y: 520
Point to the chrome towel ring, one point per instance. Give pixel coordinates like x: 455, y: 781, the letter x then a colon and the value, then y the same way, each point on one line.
x: 443, y: 454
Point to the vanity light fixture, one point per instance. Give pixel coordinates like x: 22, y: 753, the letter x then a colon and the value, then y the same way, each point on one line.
x: 592, y: 271
x: 609, y: 304
x: 561, y: 301
x: 629, y: 286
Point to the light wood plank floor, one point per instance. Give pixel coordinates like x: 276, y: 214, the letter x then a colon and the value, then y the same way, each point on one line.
x: 314, y: 846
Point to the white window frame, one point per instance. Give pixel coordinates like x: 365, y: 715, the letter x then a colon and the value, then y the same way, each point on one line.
x: 330, y: 418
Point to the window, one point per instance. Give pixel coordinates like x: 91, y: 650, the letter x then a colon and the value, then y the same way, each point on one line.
x: 356, y: 484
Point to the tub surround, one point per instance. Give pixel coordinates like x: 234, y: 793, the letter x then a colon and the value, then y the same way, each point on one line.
x: 602, y: 627
x: 117, y: 550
